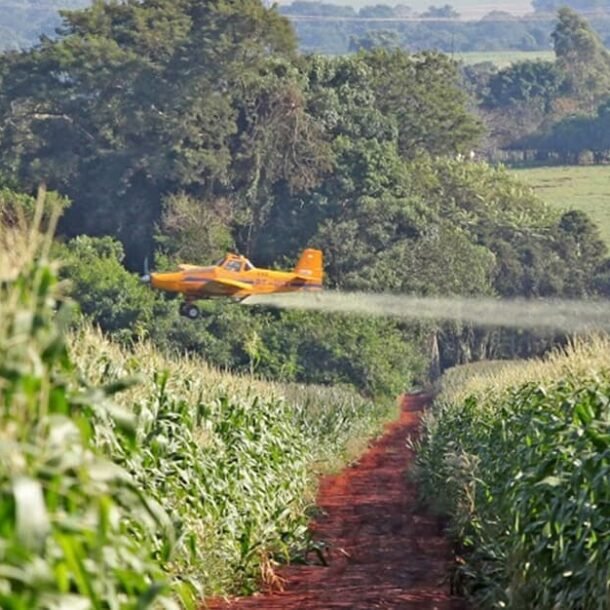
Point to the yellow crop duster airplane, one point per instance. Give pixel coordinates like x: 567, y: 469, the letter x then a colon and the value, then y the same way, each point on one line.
x: 237, y: 278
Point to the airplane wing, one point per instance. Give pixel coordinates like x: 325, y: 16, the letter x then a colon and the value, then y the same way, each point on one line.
x: 222, y: 287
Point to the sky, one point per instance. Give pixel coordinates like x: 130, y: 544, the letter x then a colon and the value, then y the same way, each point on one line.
x: 474, y: 8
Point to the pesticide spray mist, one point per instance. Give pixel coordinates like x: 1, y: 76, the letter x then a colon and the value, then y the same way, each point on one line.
x: 559, y: 315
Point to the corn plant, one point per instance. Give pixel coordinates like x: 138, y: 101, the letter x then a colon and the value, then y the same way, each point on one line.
x: 233, y: 459
x: 75, y: 529
x: 523, y: 473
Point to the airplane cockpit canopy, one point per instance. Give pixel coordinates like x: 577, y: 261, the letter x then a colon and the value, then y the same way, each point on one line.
x: 232, y: 262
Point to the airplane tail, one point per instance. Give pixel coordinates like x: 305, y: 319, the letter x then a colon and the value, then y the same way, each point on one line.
x: 310, y: 266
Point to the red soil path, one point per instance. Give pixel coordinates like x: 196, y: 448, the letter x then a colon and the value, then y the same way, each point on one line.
x: 383, y: 551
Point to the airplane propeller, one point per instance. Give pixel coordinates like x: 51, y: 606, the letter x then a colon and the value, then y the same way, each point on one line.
x: 145, y: 278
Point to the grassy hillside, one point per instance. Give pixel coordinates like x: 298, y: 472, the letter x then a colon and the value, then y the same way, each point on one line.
x: 582, y: 188
x: 517, y: 454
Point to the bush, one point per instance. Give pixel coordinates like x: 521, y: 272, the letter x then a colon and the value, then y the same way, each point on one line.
x: 106, y: 292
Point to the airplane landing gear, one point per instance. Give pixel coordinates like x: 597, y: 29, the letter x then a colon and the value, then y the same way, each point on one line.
x: 189, y: 310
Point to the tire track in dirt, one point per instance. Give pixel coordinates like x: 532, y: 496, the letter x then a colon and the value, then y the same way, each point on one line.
x: 384, y: 552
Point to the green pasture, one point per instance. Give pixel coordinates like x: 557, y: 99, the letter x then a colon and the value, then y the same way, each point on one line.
x: 573, y: 187
x: 502, y: 59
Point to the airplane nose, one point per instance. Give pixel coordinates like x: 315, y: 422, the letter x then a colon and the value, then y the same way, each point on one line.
x: 166, y: 281
x: 145, y: 279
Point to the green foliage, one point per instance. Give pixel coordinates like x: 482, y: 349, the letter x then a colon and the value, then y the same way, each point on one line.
x: 17, y: 208
x: 525, y: 82
x: 576, y: 5
x: 546, y: 107
x: 104, y: 289
x: 441, y: 12
x: 582, y: 57
x: 128, y: 107
x: 580, y: 139
x: 195, y: 232
x: 75, y: 530
x: 523, y: 475
x: 370, y: 353
x: 128, y: 118
x: 231, y: 458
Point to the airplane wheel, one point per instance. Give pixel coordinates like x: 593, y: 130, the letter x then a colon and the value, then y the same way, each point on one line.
x: 182, y: 308
x: 191, y: 311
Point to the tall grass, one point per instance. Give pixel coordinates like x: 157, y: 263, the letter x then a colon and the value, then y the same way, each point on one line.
x: 130, y: 479
x: 518, y: 455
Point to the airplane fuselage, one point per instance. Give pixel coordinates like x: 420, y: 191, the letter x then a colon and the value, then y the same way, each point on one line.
x: 237, y: 278
x: 207, y: 282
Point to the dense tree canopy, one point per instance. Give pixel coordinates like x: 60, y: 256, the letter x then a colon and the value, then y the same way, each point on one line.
x: 136, y: 99
x: 185, y: 128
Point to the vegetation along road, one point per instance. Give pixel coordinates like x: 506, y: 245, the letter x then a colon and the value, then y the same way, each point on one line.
x: 381, y: 550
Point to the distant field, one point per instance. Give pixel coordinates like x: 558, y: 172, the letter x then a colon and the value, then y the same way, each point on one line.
x: 581, y: 188
x: 503, y: 58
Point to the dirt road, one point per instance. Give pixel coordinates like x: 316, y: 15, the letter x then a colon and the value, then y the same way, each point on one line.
x: 383, y: 551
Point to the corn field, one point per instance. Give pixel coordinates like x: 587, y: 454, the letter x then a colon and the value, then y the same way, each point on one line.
x: 518, y: 456
x: 129, y: 479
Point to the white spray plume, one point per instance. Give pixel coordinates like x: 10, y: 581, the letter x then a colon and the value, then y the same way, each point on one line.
x: 556, y: 314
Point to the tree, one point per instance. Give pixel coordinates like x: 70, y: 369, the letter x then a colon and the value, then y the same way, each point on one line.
x: 374, y: 39
x: 582, y: 58
x: 379, y: 11
x: 584, y: 250
x: 440, y: 12
x: 111, y: 296
x: 525, y: 83
x: 422, y: 92
x: 279, y: 141
x: 550, y: 6
x: 195, y: 231
x: 132, y: 102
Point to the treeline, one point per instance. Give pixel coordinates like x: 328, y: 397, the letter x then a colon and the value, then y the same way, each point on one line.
x: 336, y: 29
x: 497, y: 32
x: 548, y: 111
x: 576, y: 140
x: 180, y: 130
x: 309, y: 8
x: 589, y: 6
